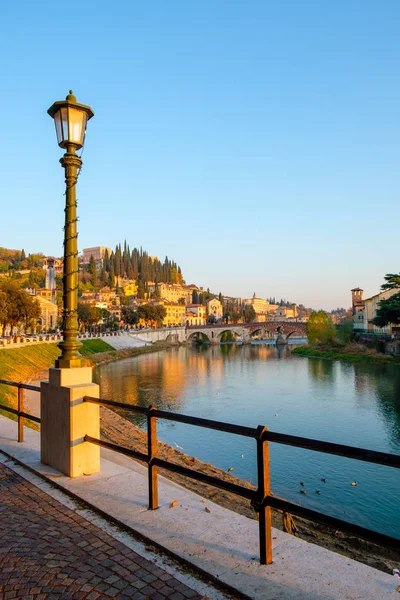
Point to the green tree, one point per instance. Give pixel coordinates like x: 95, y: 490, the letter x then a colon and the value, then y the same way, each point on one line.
x: 140, y: 292
x: 388, y: 311
x: 389, y: 308
x: 195, y: 297
x: 129, y: 315
x: 21, y: 309
x: 320, y: 328
x: 159, y: 312
x: 234, y: 316
x: 249, y: 313
x: 345, y: 332
x: 93, y: 271
x: 3, y: 310
x: 105, y: 316
x: 144, y: 313
x: 111, y: 277
x: 392, y: 281
x: 83, y: 313
x: 95, y: 315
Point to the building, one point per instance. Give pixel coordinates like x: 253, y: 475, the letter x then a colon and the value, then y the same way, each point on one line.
x: 170, y: 292
x: 357, y: 302
x: 50, y: 283
x: 56, y: 263
x: 175, y: 314
x: 42, y: 292
x: 115, y: 312
x: 98, y: 253
x: 371, y: 306
x: 283, y: 313
x: 196, y: 314
x: 101, y: 305
x: 261, y: 307
x: 48, y: 314
x: 189, y: 292
x: 129, y: 288
x: 214, y: 307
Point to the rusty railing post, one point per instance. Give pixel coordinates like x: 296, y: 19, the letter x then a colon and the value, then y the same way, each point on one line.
x: 20, y: 409
x: 264, y: 523
x: 152, y: 454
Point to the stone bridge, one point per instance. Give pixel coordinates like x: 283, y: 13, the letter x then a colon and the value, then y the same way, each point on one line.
x: 279, y: 331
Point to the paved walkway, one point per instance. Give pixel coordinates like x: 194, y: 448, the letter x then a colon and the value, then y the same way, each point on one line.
x: 48, y: 551
x: 215, y: 540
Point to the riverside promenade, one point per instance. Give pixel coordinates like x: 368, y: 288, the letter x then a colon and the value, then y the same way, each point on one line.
x: 212, y: 539
x: 48, y: 550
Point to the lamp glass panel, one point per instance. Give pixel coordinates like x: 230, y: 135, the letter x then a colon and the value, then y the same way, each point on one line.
x: 85, y: 120
x: 64, y: 121
x: 76, y: 125
x: 57, y: 122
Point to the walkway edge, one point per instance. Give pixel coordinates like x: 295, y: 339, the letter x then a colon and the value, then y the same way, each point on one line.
x: 218, y: 583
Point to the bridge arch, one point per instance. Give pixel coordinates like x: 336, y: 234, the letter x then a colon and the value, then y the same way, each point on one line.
x: 198, y: 335
x: 235, y: 334
x: 300, y: 334
x: 265, y: 333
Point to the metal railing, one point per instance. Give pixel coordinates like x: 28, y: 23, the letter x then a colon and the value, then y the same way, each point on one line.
x: 20, y: 410
x: 261, y: 498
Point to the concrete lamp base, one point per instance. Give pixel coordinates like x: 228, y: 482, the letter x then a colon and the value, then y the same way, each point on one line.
x: 66, y: 419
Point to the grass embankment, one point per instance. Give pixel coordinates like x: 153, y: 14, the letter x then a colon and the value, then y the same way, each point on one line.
x: 354, y: 353
x: 25, y: 364
x: 29, y: 362
x: 90, y: 347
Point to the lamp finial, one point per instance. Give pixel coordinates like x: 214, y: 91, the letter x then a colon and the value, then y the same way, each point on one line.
x: 71, y: 97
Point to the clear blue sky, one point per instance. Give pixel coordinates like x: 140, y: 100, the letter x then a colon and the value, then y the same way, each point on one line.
x: 256, y: 143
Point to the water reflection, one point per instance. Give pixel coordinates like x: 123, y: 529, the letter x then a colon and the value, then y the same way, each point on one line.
x: 257, y: 384
x: 383, y: 381
x: 322, y: 371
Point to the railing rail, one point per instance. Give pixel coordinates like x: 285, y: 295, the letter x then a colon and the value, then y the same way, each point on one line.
x: 20, y: 413
x: 261, y: 498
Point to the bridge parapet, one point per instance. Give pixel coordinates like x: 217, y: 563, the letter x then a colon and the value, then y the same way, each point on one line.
x: 247, y: 331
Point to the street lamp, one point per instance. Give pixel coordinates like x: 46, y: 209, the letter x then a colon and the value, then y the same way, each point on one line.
x: 70, y: 119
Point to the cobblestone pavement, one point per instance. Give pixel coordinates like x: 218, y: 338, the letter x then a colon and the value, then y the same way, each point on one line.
x: 48, y: 551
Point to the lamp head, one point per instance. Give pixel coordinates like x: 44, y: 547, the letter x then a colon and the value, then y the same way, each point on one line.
x: 70, y: 119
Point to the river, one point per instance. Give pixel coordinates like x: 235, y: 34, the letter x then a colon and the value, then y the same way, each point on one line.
x: 260, y: 384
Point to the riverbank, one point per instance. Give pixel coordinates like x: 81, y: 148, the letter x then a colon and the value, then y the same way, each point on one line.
x: 113, y: 355
x: 117, y: 429
x: 354, y: 353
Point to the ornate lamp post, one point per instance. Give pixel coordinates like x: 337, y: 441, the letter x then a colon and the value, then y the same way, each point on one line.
x: 70, y: 119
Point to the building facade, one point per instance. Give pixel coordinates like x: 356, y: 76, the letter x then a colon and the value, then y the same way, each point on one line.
x: 98, y: 253
x: 214, y: 307
x: 283, y: 313
x: 371, y: 305
x: 48, y: 314
x: 175, y: 314
x: 358, y: 305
